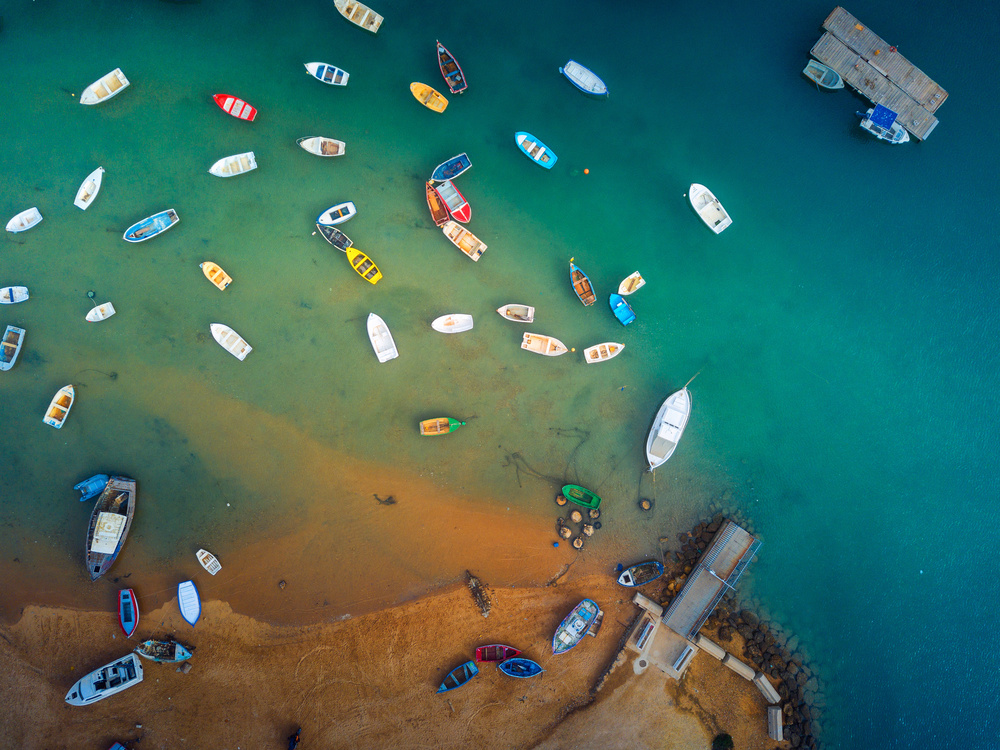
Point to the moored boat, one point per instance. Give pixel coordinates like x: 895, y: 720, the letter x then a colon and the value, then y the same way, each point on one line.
x: 581, y: 284
x: 337, y: 214
x: 189, y: 602
x: 518, y: 313
x: 209, y: 561
x: 128, y: 611
x: 459, y: 676
x: 151, y: 226
x: 631, y: 283
x: 575, y: 625
x: 214, y: 273
x: 641, y: 573
x: 708, y: 207
x: 584, y: 78
x: 110, y: 679
x: 451, y: 70
x: 163, y: 651
x: 364, y: 265
x: 10, y: 346
x: 520, y: 667
x: 602, y: 352
x: 11, y: 295
x: 668, y: 427
x: 439, y: 211
x: 59, y: 407
x: 440, y: 426
x: 335, y: 237
x: 452, y: 168
x: 496, y: 652
x: 110, y: 521
x: 535, y: 150
x: 881, y: 122
x: 381, y: 338
x: 454, y: 323
x: 236, y: 107
x: 320, y: 145
x: 458, y: 207
x: 359, y: 14
x: 101, y: 312
x: 327, y: 73
x: 464, y: 240
x: 89, y: 189
x: 622, y: 309
x: 427, y: 96
x: 92, y: 487
x: 581, y: 496
x: 104, y: 88
x: 231, y: 341
x: 823, y: 75
x: 547, y: 346
x: 25, y: 220
x: 230, y: 166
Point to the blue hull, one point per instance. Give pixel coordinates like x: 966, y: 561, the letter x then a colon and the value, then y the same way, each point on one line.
x: 151, y: 226
x: 539, y: 153
x: 459, y: 676
x: 621, y: 309
x: 519, y: 667
x: 92, y: 487
x: 452, y: 168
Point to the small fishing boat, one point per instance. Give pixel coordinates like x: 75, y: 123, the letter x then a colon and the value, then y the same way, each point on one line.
x: 449, y: 170
x: 11, y: 295
x: 230, y: 166
x: 439, y: 211
x: 668, y: 427
x: 364, y: 265
x: 359, y: 14
x: 428, y: 97
x: 163, y: 651
x: 520, y: 667
x: 602, y: 352
x: 59, y: 407
x: 708, y: 208
x: 641, y: 574
x: 89, y: 189
x: 381, y: 338
x: 327, y: 73
x: 496, y: 653
x: 231, y: 341
x: 881, y: 122
x: 535, y: 150
x: 459, y: 676
x: 335, y: 237
x: 544, y: 345
x: 596, y: 627
x: 581, y: 496
x: 128, y: 611
x: 25, y: 220
x: 322, y: 146
x: 209, y: 561
x: 236, y: 107
x: 112, y: 678
x: 581, y: 285
x: 440, y: 426
x: 458, y: 207
x: 337, y: 214
x: 214, y: 273
x: 451, y: 70
x: 110, y: 521
x: 576, y: 624
x: 151, y: 226
x: 92, y: 487
x: 622, y: 309
x: 518, y: 313
x: 101, y: 312
x: 455, y: 323
x: 631, y: 283
x: 10, y: 346
x: 104, y: 88
x: 823, y: 75
x: 584, y: 78
x: 189, y: 602
x: 464, y: 240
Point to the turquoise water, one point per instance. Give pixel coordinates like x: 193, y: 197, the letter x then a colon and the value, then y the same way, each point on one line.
x: 843, y: 328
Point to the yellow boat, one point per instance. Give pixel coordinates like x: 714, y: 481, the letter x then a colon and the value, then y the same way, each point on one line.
x: 364, y: 265
x: 428, y: 97
x: 215, y: 274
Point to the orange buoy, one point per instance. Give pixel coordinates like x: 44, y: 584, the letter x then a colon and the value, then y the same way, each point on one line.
x: 892, y: 49
x: 587, y: 171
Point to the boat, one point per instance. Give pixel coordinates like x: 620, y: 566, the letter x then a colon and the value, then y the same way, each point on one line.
x: 151, y: 226
x: 455, y: 323
x: 189, y: 602
x: 214, y: 273
x: 451, y: 70
x: 230, y: 166
x: 708, y: 208
x: 110, y: 521
x: 581, y: 285
x: 89, y: 189
x: 602, y: 352
x: 112, y: 678
x: 92, y: 487
x: 581, y: 496
x: 104, y: 88
x: 428, y: 97
x: 881, y: 122
x: 101, y: 312
x: 641, y: 573
x: 231, y: 341
x: 10, y: 346
x: 576, y: 624
x: 520, y: 667
x: 464, y: 240
x: 631, y: 283
x: 320, y: 145
x: 496, y: 652
x: 440, y: 426
x: 209, y: 561
x: 327, y: 73
x: 59, y: 407
x: 364, y: 265
x: 518, y: 313
x: 359, y: 14
x: 11, y: 295
x: 622, y: 309
x: 449, y: 170
x: 236, y: 107
x: 544, y: 345
x: 458, y: 207
x: 535, y: 150
x: 25, y: 220
x: 584, y: 78
x: 823, y: 75
x: 163, y: 651
x: 335, y: 237
x: 459, y: 676
x: 596, y: 627
x: 381, y: 338
x: 439, y: 211
x: 337, y: 214
x: 128, y: 611
x: 668, y: 426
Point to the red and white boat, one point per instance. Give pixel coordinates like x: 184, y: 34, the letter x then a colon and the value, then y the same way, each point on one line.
x: 128, y: 611
x: 496, y: 652
x: 458, y: 207
x: 236, y: 107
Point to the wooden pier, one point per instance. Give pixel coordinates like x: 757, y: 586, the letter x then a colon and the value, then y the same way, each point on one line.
x: 876, y: 70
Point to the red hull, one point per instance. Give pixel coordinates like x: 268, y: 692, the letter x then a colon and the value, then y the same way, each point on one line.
x: 463, y: 213
x: 451, y: 71
x: 496, y: 653
x: 236, y: 107
x: 128, y: 612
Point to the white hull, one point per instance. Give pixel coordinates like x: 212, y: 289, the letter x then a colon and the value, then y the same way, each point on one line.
x: 326, y: 73
x: 60, y: 406
x: 323, y: 146
x: 584, y: 78
x: 231, y: 341
x: 602, y: 352
x: 631, y: 283
x: 709, y: 208
x: 106, y: 87
x: 24, y: 220
x: 452, y: 323
x: 10, y: 346
x: 668, y: 427
x: 230, y: 166
x: 189, y: 602
x: 518, y: 313
x: 381, y: 338
x: 359, y: 14
x: 101, y: 312
x: 11, y: 295
x: 337, y: 214
x: 209, y: 561
x: 110, y: 679
x: 89, y: 189
x: 547, y: 346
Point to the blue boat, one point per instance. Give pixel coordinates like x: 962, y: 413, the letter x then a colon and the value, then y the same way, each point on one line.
x: 572, y: 629
x: 641, y: 573
x: 459, y: 676
x: 519, y: 667
x: 535, y: 150
x: 584, y: 78
x: 622, y: 309
x: 163, y: 651
x: 881, y: 122
x: 449, y: 170
x: 92, y: 487
x: 151, y: 226
x: 189, y: 602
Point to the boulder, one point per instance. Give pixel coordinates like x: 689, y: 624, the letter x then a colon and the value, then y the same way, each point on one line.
x: 747, y: 633
x: 725, y: 633
x: 749, y: 618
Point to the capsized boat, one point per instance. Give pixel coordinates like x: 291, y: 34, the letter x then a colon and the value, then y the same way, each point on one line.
x: 25, y: 220
x: 359, y: 14
x: 668, y: 427
x: 547, y: 346
x: 631, y: 283
x: 337, y: 214
x: 209, y: 561
x: 89, y: 189
x: 320, y: 145
x: 439, y: 211
x: 427, y: 96
x: 10, y: 346
x: 520, y: 667
x: 151, y: 226
x: 823, y: 75
x: 59, y: 407
x: 230, y: 166
x: 11, y: 295
x: 104, y: 88
x: 622, y: 309
x: 458, y: 207
x: 163, y: 651
x: 464, y: 240
x: 708, y: 208
x: 335, y: 237
x: 381, y: 338
x: 459, y: 676
x: 454, y: 323
x: 584, y: 78
x: 236, y: 107
x: 92, y: 487
x: 110, y: 679
x: 440, y: 426
x: 128, y: 611
x: 496, y: 653
x: 327, y: 73
x: 581, y: 496
x: 110, y: 521
x: 576, y: 624
x: 231, y: 341
x: 581, y: 284
x: 449, y: 170
x: 641, y: 573
x: 881, y: 122
x: 189, y: 602
x: 451, y: 70
x: 364, y: 265
x: 535, y: 150
x: 518, y: 313
x: 602, y: 352
x: 100, y: 312
x: 214, y: 273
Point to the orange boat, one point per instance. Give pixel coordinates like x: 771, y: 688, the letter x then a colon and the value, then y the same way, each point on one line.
x: 215, y: 274
x: 428, y: 96
x: 439, y: 212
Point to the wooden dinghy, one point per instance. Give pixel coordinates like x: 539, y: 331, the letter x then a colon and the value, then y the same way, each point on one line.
x: 364, y: 265
x: 439, y: 211
x: 335, y: 237
x: 458, y: 207
x: 668, y: 427
x: 602, y: 352
x: 464, y: 240
x: 128, y: 611
x: 89, y: 189
x: 59, y: 407
x: 545, y: 345
x: 631, y: 283
x: 451, y: 70
x: 209, y: 561
x: 535, y: 150
x: 427, y: 96
x: 322, y: 146
x: 101, y: 312
x: 112, y: 678
x: 641, y: 573
x: 214, y: 273
x: 231, y: 341
x: 230, y: 166
x: 11, y: 295
x: 329, y: 74
x: 110, y: 521
x: 91, y: 488
x: 708, y: 207
x: 25, y: 220
x: 449, y: 170
x: 163, y: 651
x: 622, y: 309
x: 520, y: 667
x: 454, y: 323
x: 236, y: 107
x: 581, y: 285
x: 359, y: 14
x: 459, y: 676
x: 10, y: 346
x: 518, y: 313
x: 381, y: 338
x: 823, y: 75
x: 496, y: 652
x: 151, y: 226
x: 104, y: 88
x: 337, y: 214
x: 581, y: 496
x: 189, y: 602
x: 584, y: 78
x: 576, y: 624
x: 440, y: 426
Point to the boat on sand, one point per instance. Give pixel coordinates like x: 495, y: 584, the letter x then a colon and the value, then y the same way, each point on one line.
x: 576, y: 624
x: 641, y: 573
x: 163, y: 651
x: 112, y: 678
x: 128, y: 611
x: 189, y: 602
x: 520, y: 667
x: 496, y: 652
x: 459, y: 676
x: 668, y: 427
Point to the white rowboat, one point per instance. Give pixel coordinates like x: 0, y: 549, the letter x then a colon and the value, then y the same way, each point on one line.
x: 452, y: 323
x: 231, y: 341
x: 209, y: 561
x: 59, y: 407
x: 327, y: 73
x: 13, y: 294
x: 668, y: 427
x: 337, y: 214
x: 631, y: 283
x: 104, y: 88
x: 89, y: 189
x: 230, y: 166
x: 323, y: 146
x: 544, y: 345
x: 602, y: 352
x: 382, y: 342
x: 708, y: 208
x: 359, y: 14
x: 10, y: 346
x: 518, y: 313
x: 101, y: 312
x: 24, y: 220
x: 584, y: 78
x: 189, y: 602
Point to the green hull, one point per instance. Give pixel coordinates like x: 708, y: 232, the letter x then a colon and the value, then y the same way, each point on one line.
x: 581, y: 496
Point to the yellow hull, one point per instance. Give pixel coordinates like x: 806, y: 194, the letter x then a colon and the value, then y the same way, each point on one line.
x: 428, y: 97
x: 364, y: 265
x: 214, y: 273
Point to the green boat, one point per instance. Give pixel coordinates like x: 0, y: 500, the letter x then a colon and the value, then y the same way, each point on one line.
x: 439, y: 426
x: 581, y: 496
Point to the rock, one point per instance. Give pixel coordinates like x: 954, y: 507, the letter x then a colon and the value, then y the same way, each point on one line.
x: 706, y: 537
x: 749, y: 618
x: 744, y: 630
x: 758, y: 638
x: 281, y: 585
x: 801, y: 679
x: 682, y: 537
x: 713, y: 526
x: 725, y: 633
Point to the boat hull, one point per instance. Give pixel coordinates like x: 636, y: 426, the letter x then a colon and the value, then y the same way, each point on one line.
x: 106, y: 87
x: 581, y: 496
x: 151, y: 226
x: 363, y: 265
x: 535, y: 150
x: 458, y: 207
x: 91, y: 488
x: 10, y: 346
x: 575, y: 626
x: 708, y: 208
x: 214, y: 273
x: 189, y: 602
x: 11, y: 295
x: 602, y: 352
x: 128, y: 612
x: 439, y: 426
x: 230, y: 166
x: 335, y: 237
x: 329, y: 74
x: 439, y: 211
x: 337, y: 214
x: 823, y: 75
x: 163, y: 651
x: 110, y: 521
x: 359, y: 14
x: 631, y: 283
x: 459, y: 676
x: 584, y: 79
x: 89, y: 189
x: 60, y: 406
x: 456, y: 323
x: 517, y: 313
x: 449, y: 170
x: 101, y: 312
x: 25, y: 220
x: 668, y: 427
x: 451, y: 71
x: 320, y: 145
x: 622, y: 309
x: 231, y: 341
x: 547, y: 346
x: 381, y: 338
x: 581, y: 285
x: 209, y: 561
x: 464, y: 240
x: 236, y: 107
x: 520, y: 668
x: 641, y: 574
x: 496, y: 653
x: 110, y: 679
x: 433, y: 100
